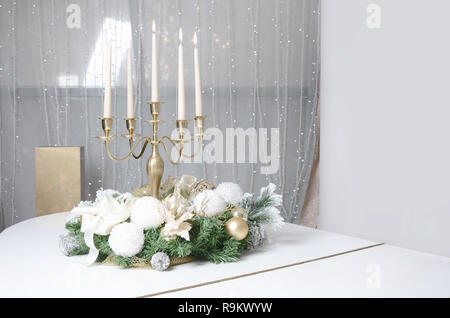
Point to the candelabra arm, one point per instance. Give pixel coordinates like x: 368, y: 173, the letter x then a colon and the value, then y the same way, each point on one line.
x: 142, y: 150
x: 181, y: 147
x: 169, y: 156
x: 197, y: 150
x: 133, y: 148
x: 155, y: 164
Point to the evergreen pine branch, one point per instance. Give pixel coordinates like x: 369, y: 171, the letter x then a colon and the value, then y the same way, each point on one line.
x: 83, y: 249
x: 73, y: 226
x: 262, y: 210
x: 209, y: 241
x: 122, y: 261
x: 155, y: 242
x: 102, y: 244
x: 213, y: 243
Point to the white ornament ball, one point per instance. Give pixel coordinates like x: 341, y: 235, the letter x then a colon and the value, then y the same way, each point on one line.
x: 126, y: 239
x: 230, y: 192
x: 147, y: 212
x: 210, y: 203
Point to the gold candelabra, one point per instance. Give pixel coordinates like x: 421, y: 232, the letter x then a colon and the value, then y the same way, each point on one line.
x: 155, y: 164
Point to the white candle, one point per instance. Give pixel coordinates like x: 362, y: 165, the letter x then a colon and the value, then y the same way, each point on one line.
x: 130, y: 102
x: 107, y: 101
x: 155, y: 95
x: 181, y: 93
x: 198, y: 84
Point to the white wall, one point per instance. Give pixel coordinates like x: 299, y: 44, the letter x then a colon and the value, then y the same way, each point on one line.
x: 385, y: 139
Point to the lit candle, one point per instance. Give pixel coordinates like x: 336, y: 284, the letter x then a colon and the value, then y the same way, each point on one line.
x: 107, y: 101
x: 155, y: 95
x: 181, y: 93
x: 198, y: 84
x: 130, y: 103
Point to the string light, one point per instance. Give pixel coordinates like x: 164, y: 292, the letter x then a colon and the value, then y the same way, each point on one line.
x: 258, y: 70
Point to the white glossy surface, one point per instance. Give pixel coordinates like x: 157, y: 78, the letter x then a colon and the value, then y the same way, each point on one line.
x: 382, y: 271
x: 32, y: 266
x: 384, y: 123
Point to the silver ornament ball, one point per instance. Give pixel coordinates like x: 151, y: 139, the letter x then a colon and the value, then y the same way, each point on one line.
x: 160, y: 261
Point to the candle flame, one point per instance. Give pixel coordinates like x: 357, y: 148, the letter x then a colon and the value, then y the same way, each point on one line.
x: 180, y: 35
x: 154, y: 26
x: 195, y: 38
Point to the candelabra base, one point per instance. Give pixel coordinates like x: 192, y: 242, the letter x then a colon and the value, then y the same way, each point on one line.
x: 155, y: 171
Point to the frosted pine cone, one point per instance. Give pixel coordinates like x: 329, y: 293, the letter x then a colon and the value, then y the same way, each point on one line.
x: 256, y: 237
x: 68, y: 244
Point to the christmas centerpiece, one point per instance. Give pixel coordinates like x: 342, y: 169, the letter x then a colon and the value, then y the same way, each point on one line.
x: 179, y: 220
x: 193, y: 220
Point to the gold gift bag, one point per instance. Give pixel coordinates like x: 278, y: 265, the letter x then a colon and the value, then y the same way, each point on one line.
x: 58, y: 178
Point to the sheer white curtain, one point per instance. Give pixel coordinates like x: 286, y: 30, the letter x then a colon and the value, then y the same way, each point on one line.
x: 259, y: 64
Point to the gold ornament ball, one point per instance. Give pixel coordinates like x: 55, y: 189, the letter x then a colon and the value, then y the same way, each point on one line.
x: 239, y: 212
x: 237, y: 227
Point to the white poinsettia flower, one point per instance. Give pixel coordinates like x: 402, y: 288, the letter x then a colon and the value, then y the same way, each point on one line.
x: 184, y: 184
x: 101, y: 217
x: 176, y: 227
x: 168, y: 184
x: 176, y: 212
